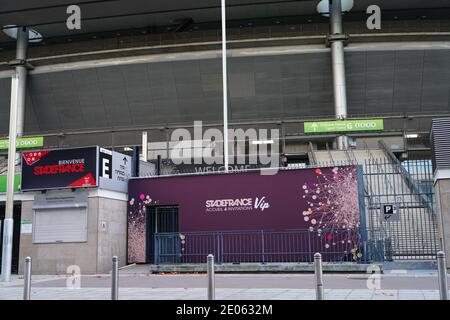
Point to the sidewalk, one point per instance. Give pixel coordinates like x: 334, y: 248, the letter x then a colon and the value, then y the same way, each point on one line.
x: 394, y: 285
x: 14, y: 293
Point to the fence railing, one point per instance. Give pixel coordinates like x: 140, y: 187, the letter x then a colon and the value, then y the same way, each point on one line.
x: 409, y: 180
x: 260, y: 246
x: 414, y: 235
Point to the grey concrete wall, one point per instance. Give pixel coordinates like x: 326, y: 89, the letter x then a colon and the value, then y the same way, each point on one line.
x: 93, y: 256
x: 54, y: 258
x: 443, y: 205
x: 112, y: 233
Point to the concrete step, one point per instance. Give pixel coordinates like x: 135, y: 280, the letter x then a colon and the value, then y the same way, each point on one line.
x: 260, y: 267
x: 410, y: 265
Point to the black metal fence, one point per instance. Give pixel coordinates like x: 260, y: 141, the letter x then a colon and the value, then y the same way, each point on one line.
x: 260, y: 246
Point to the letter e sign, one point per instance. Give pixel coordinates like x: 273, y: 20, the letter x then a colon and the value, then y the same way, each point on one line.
x: 105, y: 166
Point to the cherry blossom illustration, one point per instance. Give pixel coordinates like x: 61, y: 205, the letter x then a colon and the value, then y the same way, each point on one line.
x: 333, y: 209
x: 136, y: 226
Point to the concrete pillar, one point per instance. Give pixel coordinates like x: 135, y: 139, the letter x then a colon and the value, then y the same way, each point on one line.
x: 224, y: 84
x: 442, y: 188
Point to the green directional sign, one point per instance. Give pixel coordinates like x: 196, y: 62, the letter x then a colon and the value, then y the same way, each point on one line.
x: 23, y: 143
x: 344, y: 126
x: 16, y: 183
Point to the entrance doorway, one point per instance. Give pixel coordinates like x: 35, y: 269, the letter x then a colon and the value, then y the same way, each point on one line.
x: 160, y: 220
x: 16, y: 236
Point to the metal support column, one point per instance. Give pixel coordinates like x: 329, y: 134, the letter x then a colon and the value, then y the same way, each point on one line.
x: 337, y: 40
x: 225, y: 85
x: 18, y: 94
x: 115, y: 278
x: 442, y: 276
x: 210, y: 274
x: 318, y: 274
x: 144, y: 146
x: 21, y: 73
x: 27, y: 279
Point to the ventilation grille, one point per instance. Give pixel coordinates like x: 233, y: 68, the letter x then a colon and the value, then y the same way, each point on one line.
x: 440, y: 142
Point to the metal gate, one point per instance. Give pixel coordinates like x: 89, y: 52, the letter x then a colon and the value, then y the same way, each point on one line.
x: 408, y: 187
x: 161, y: 219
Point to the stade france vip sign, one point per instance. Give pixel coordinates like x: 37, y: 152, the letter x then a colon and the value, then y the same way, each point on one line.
x: 59, y: 169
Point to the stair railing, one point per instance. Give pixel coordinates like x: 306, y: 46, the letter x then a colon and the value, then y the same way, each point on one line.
x: 406, y: 176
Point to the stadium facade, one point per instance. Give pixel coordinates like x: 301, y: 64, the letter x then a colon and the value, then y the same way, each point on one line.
x: 155, y: 67
x: 104, y: 83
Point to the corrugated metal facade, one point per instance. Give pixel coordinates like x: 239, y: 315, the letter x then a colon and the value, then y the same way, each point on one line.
x: 267, y: 87
x: 440, y: 142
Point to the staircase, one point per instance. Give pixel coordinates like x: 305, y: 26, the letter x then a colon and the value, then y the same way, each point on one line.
x: 4, y: 166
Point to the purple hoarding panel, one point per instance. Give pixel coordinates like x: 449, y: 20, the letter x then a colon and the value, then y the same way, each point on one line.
x: 305, y: 199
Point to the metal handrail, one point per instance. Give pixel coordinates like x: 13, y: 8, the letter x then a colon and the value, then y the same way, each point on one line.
x: 409, y: 180
x: 353, y: 156
x: 3, y: 165
x: 373, y: 161
x: 313, y: 156
x: 330, y: 155
x: 370, y: 155
x: 4, y: 168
